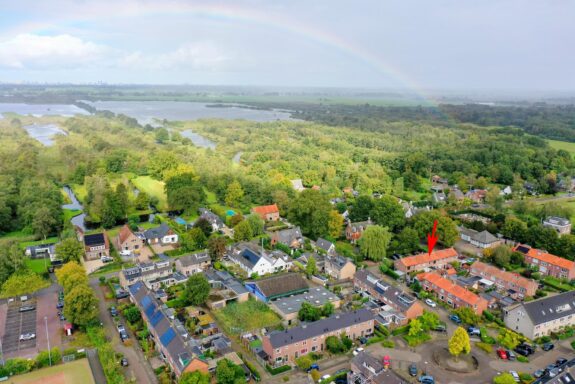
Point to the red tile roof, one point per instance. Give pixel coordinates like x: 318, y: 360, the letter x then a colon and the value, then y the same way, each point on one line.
x: 124, y: 233
x: 266, y: 209
x: 489, y: 270
x: 423, y: 258
x: 450, y: 287
x: 547, y: 257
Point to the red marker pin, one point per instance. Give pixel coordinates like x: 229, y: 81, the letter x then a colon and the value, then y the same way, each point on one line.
x: 432, y: 239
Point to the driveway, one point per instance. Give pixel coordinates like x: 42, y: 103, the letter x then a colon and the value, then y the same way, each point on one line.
x: 92, y: 265
x: 139, y: 368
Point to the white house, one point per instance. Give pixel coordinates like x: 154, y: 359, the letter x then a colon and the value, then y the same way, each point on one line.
x: 259, y: 261
x: 162, y: 234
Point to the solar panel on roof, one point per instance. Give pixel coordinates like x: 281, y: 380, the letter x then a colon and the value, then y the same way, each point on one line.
x: 523, y: 249
x: 146, y: 301
x: 167, y: 337
x: 150, y: 310
x: 156, y: 317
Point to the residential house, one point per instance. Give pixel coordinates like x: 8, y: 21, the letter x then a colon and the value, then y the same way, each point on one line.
x: 366, y: 369
x: 339, y: 268
x: 225, y: 289
x: 411, y: 210
x: 96, y: 246
x: 129, y: 241
x: 319, y: 260
x: 259, y: 261
x: 327, y: 246
x: 506, y: 191
x: 548, y: 264
x: 399, y: 306
x: 353, y: 231
x: 456, y: 193
x: 283, y: 347
x: 278, y: 286
x: 267, y: 212
x: 189, y: 264
x: 162, y: 234
x: 452, y: 294
x: 541, y: 317
x: 437, y: 259
x: 145, y: 272
x: 288, y: 306
x: 476, y: 195
x: 290, y: 237
x: 439, y: 197
x: 216, y: 222
x: 297, y: 184
x: 482, y: 239
x: 41, y: 251
x: 511, y: 283
x: 560, y: 224
x: 436, y: 179
x: 168, y: 339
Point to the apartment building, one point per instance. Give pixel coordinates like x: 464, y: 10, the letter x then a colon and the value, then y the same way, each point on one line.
x: 399, y: 307
x: 541, y: 317
x: 437, y: 260
x: 547, y: 263
x: 451, y: 293
x: 282, y: 347
x: 517, y: 286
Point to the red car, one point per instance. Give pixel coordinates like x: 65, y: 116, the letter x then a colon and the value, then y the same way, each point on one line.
x: 502, y: 353
x: 386, y: 362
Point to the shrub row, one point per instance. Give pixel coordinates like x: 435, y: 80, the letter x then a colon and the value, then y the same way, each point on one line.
x: 278, y: 370
x: 400, y: 330
x: 485, y: 347
x: 255, y: 374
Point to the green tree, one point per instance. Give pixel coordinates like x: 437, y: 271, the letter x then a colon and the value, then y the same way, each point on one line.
x: 504, y: 378
x: 501, y: 256
x: 467, y: 315
x: 229, y: 373
x: 132, y: 314
x: 193, y: 239
x: 243, y: 231
x: 142, y: 201
x: 70, y: 249
x: 44, y: 222
x: 374, y: 241
x: 80, y: 305
x: 405, y: 242
x: 446, y: 228
x: 195, y: 377
x: 327, y: 310
x: 23, y: 282
x: 196, y: 289
x: 459, y: 343
x: 415, y: 327
x: 162, y: 135
x: 234, y: 194
x: 216, y: 247
x: 508, y: 338
x: 308, y: 312
x: 184, y: 192
x: 429, y: 320
x: 335, y: 224
x: 333, y: 344
x: 11, y: 260
x: 304, y: 362
x: 71, y: 275
x: 310, y: 210
x: 310, y: 268
x: 204, y: 225
x: 387, y: 212
x: 122, y: 200
x: 361, y: 208
x: 256, y: 224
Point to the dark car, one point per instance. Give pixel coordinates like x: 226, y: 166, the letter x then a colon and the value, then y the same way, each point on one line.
x: 124, y: 335
x: 522, y: 351
x: 60, y: 305
x: 113, y: 311
x: 124, y: 362
x: 560, y: 361
x: 548, y: 346
x: 455, y: 319
x: 363, y: 340
x: 538, y: 373
x: 312, y: 367
x: 474, y: 331
x: 413, y: 370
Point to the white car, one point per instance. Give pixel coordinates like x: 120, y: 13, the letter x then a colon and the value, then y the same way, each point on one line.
x: 126, y: 253
x: 515, y: 376
x: 324, y: 377
x: 27, y: 336
x: 431, y: 303
x: 357, y: 351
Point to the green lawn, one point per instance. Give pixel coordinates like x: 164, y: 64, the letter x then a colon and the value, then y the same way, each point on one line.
x: 80, y: 191
x: 69, y: 213
x: 569, y: 147
x: 247, y: 316
x: 153, y: 188
x: 210, y: 197
x: 75, y: 372
x: 37, y: 265
x: 49, y: 240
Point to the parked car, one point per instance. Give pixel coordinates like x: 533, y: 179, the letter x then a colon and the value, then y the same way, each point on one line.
x: 511, y: 355
x: 62, y: 317
x: 413, y: 370
x: 124, y: 362
x: 27, y: 308
x: 125, y: 252
x: 560, y: 361
x: 121, y: 327
x: 548, y: 346
x: 502, y: 353
x: 357, y: 351
x: 440, y: 328
x: 27, y: 336
x: 538, y: 373
x: 474, y: 331
x: 455, y: 319
x: 554, y: 372
x: 426, y: 379
x: 524, y: 350
x: 312, y: 367
x: 363, y: 340
x: 324, y: 377
x: 60, y: 305
x: 124, y: 335
x: 113, y: 311
x: 431, y: 303
x: 106, y: 259
x: 515, y: 376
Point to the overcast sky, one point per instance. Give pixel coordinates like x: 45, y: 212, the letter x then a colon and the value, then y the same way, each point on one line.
x: 415, y: 44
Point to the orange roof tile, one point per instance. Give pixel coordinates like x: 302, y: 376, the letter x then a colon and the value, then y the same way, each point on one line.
x: 450, y: 287
x: 423, y: 258
x: 124, y: 233
x: 511, y: 277
x: 451, y: 271
x: 266, y: 209
x: 548, y: 258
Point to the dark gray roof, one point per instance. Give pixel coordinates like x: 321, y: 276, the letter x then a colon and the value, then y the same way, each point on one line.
x: 484, y: 237
x: 305, y: 331
x: 324, y: 244
x: 551, y: 308
x: 337, y: 261
x: 394, y: 295
x: 226, y: 280
x: 288, y: 236
x: 158, y: 232
x: 211, y: 217
x: 554, y: 220
x: 196, y: 258
x: 281, y: 284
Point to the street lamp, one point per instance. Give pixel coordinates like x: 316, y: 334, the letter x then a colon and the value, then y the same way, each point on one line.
x: 48, y: 338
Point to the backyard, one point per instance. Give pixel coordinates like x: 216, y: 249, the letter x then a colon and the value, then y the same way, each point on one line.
x: 247, y: 316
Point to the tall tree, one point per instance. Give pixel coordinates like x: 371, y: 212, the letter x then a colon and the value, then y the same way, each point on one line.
x: 23, y: 282
x: 184, y: 193
x: 374, y: 241
x: 11, y: 260
x: 388, y: 212
x: 216, y: 247
x: 234, y: 194
x: 361, y: 208
x: 310, y: 268
x: 256, y: 224
x: 310, y: 210
x: 44, y: 222
x: 80, y: 305
x: 335, y: 224
x: 70, y: 249
x: 196, y: 289
x: 446, y: 228
x: 243, y: 231
x: 459, y: 343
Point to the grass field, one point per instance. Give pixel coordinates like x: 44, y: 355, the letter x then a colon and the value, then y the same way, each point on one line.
x: 153, y: 188
x: 80, y: 191
x: 69, y: 213
x: 247, y: 316
x: 49, y: 240
x: 70, y: 373
x: 569, y: 147
x: 37, y: 265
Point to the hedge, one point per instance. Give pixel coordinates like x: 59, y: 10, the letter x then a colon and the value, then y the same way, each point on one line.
x: 573, y: 344
x: 414, y: 341
x: 400, y: 330
x: 256, y: 375
x: 278, y: 370
x: 388, y: 344
x: 374, y: 339
x: 522, y: 359
x: 485, y: 347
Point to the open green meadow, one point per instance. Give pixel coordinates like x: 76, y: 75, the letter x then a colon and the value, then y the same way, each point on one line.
x: 565, y: 145
x: 153, y: 188
x: 70, y: 373
x: 37, y: 265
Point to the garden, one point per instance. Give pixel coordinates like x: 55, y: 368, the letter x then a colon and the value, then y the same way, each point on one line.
x: 250, y: 315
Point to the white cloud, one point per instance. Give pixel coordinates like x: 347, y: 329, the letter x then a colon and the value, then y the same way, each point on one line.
x: 37, y: 51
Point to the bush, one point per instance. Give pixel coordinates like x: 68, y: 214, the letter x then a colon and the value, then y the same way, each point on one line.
x: 285, y: 378
x: 573, y: 344
x: 18, y: 366
x: 488, y: 348
x: 543, y: 340
x: 388, y: 344
x: 522, y: 359
x: 400, y: 330
x: 304, y: 362
x: 278, y: 370
x: 255, y: 374
x: 485, y: 337
x: 525, y: 377
x: 414, y: 341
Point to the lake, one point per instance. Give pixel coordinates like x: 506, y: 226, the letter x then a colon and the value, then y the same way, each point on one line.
x: 44, y: 133
x: 42, y: 109
x: 147, y: 111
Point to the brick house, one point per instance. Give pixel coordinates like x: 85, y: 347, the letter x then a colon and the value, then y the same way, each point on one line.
x: 267, y: 212
x: 547, y: 263
x: 339, y: 267
x: 128, y: 240
x: 518, y: 286
x: 353, y: 231
x: 438, y: 260
x: 451, y: 293
x: 282, y: 347
x: 96, y: 245
x: 189, y: 264
x: 404, y: 307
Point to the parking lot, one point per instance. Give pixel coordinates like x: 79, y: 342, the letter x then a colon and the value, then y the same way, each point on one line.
x: 19, y: 323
